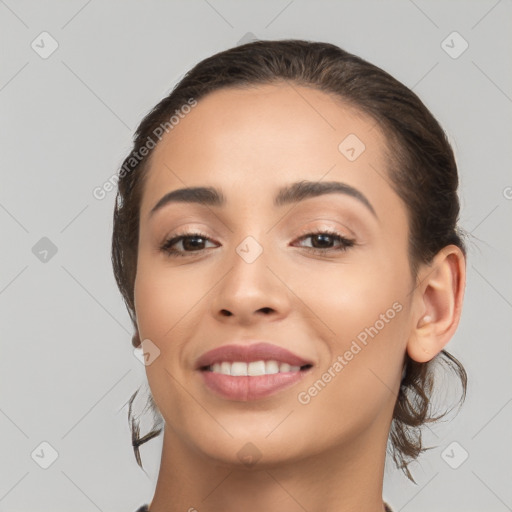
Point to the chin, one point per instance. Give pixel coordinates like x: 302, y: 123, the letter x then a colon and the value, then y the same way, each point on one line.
x: 250, y: 449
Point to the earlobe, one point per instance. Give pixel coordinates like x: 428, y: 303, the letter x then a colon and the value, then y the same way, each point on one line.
x: 439, y: 300
x: 422, y: 346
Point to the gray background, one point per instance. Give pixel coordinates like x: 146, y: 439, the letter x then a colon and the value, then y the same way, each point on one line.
x: 66, y: 365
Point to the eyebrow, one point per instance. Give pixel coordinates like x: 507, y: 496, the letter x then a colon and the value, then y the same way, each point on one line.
x: 291, y: 193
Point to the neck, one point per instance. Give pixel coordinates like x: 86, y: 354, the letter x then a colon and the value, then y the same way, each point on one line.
x: 348, y: 478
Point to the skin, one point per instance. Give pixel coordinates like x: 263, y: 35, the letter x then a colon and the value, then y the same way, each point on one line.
x: 327, y: 455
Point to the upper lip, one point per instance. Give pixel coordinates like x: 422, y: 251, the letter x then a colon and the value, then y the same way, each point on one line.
x: 248, y: 353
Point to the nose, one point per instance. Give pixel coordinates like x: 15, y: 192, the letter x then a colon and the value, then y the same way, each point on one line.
x: 251, y: 292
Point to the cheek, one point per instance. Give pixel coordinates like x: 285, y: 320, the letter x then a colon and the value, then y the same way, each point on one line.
x: 170, y: 306
x: 364, y: 317
x: 357, y: 381
x: 161, y: 299
x: 365, y: 310
x: 348, y: 298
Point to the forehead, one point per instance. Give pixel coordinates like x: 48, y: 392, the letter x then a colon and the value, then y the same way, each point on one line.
x: 255, y: 140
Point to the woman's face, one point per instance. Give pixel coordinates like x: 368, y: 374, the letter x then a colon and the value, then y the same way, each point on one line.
x: 257, y: 274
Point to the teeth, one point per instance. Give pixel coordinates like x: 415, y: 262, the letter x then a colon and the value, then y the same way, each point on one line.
x: 253, y: 369
x: 271, y: 367
x: 256, y: 368
x: 284, y: 367
x: 238, y: 369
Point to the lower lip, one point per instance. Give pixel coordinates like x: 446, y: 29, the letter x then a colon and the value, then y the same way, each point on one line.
x: 245, y: 388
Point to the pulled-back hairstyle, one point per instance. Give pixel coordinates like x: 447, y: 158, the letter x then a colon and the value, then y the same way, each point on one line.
x: 421, y: 169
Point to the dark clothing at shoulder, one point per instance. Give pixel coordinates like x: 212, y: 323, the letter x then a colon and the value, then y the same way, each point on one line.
x: 145, y: 508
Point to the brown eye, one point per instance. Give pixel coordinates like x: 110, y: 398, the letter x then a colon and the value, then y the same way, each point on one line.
x: 322, y: 241
x: 185, y: 243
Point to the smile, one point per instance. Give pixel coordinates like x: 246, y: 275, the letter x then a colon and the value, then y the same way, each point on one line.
x: 253, y: 369
x: 243, y: 382
x: 250, y: 371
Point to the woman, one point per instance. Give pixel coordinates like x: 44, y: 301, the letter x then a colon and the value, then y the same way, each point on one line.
x: 286, y: 242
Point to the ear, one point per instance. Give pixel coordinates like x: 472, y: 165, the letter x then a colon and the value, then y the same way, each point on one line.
x: 438, y: 304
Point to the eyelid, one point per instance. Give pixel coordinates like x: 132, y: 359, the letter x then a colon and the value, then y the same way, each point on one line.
x: 345, y: 242
x: 328, y: 224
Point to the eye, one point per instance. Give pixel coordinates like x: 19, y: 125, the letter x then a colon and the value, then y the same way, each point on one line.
x: 322, y: 241
x: 185, y: 242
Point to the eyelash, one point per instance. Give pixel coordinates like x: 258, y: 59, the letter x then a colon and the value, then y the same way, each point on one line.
x: 346, y: 242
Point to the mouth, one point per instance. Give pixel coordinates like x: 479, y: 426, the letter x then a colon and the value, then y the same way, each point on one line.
x: 254, y: 368
x: 247, y: 358
x: 251, y: 372
x: 248, y: 382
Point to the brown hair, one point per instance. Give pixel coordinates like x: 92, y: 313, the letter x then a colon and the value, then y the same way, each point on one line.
x: 424, y: 175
